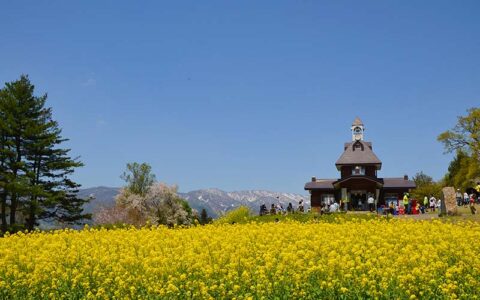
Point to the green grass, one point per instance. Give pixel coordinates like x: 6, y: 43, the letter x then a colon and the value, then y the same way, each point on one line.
x: 464, y: 214
x: 312, y: 217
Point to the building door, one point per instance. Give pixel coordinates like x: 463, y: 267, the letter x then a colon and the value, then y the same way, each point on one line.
x: 359, y: 199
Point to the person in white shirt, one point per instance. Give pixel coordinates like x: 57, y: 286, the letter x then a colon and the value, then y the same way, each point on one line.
x: 371, y: 201
x: 334, y: 207
x: 433, y: 203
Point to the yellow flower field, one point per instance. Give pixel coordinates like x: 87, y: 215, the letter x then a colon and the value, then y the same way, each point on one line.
x: 286, y: 260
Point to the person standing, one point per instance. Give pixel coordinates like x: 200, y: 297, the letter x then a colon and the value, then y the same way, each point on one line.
x: 345, y: 203
x: 472, y: 204
x: 273, y: 211
x: 290, y: 208
x: 466, y: 199
x: 459, y: 197
x: 300, y: 206
x: 371, y: 202
x: 433, y: 203
x: 263, y: 210
x: 477, y: 188
x: 405, y: 202
x: 410, y: 205
x: 391, y: 208
x: 425, y: 202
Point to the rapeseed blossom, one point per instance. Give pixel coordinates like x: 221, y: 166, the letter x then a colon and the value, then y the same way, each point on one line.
x: 287, y: 260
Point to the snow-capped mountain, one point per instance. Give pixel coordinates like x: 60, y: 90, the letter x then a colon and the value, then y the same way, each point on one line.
x: 215, y: 201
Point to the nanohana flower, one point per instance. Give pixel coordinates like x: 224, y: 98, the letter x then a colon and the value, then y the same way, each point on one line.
x: 288, y: 260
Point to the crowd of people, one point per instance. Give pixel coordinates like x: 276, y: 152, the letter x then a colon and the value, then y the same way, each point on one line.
x: 407, y: 205
x: 410, y: 206
x: 278, y: 209
x: 466, y: 199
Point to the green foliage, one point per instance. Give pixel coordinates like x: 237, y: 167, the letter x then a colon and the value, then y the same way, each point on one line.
x: 427, y: 190
x: 464, y: 139
x: 238, y: 215
x: 463, y: 172
x: 426, y: 187
x: 34, y: 170
x: 337, y: 217
x: 139, y: 178
x: 185, y: 205
x: 465, y: 135
x: 204, y: 218
x: 422, y: 179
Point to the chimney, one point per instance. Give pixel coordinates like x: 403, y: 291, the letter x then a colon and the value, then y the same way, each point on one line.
x: 405, y: 177
x: 314, y: 178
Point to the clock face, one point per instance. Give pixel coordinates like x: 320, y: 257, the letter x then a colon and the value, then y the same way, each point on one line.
x: 357, y: 133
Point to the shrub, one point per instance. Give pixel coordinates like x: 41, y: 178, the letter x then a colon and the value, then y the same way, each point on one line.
x: 237, y: 215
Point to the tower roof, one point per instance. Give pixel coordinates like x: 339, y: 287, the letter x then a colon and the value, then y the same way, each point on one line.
x: 358, y: 153
x: 357, y: 122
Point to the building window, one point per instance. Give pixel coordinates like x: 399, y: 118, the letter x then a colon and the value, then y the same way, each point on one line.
x: 358, y: 170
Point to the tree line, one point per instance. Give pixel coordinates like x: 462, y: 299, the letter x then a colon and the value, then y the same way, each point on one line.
x: 35, y: 170
x: 464, y: 170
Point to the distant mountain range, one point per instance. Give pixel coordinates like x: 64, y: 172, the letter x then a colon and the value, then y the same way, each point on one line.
x: 215, y: 201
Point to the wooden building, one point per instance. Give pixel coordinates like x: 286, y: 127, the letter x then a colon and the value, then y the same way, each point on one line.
x: 358, y: 166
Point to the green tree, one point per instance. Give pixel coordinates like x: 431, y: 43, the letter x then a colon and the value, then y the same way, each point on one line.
x: 144, y: 200
x: 20, y: 112
x: 139, y: 178
x: 34, y: 170
x: 464, y: 139
x: 204, y: 218
x: 421, y: 179
x: 465, y: 135
x: 463, y: 171
x: 426, y: 186
x: 3, y: 172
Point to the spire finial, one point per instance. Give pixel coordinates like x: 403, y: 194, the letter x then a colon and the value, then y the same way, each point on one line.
x: 357, y: 122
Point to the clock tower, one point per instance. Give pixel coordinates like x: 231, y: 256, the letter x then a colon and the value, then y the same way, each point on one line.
x: 357, y: 130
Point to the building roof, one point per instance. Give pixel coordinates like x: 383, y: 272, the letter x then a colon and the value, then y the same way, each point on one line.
x: 358, y: 153
x: 388, y: 183
x: 357, y: 122
x: 398, y: 182
x: 320, y: 184
x: 346, y: 145
x: 356, y: 177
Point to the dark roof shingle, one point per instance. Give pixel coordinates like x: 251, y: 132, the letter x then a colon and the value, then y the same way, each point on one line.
x: 399, y: 182
x: 358, y: 152
x: 322, y: 184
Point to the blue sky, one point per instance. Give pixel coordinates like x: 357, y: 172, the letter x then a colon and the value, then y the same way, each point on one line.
x: 246, y: 94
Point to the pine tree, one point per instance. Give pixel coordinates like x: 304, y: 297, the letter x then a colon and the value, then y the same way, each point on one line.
x: 52, y: 193
x: 204, y: 219
x: 3, y: 173
x: 34, y: 170
x: 18, y: 107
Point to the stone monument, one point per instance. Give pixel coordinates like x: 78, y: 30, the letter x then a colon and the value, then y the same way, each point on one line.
x: 449, y: 203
